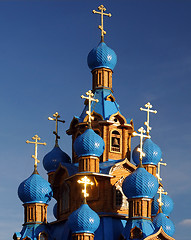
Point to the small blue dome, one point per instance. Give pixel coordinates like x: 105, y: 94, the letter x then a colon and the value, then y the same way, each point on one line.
x: 35, y: 190
x: 55, y: 210
x: 84, y: 219
x: 152, y: 153
x: 166, y: 223
x: 140, y: 184
x: 167, y: 206
x: 52, y: 159
x: 102, y: 56
x: 89, y: 144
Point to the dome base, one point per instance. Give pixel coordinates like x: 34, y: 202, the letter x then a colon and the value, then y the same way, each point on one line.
x: 102, y: 77
x: 35, y: 213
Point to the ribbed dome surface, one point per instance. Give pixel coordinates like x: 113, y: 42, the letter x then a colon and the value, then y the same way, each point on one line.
x: 167, y: 206
x: 102, y: 56
x: 84, y: 220
x: 140, y: 184
x: 166, y: 223
x: 89, y: 144
x: 52, y: 159
x: 152, y: 152
x: 35, y: 190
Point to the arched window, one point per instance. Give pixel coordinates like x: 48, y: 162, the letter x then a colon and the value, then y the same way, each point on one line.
x: 42, y: 236
x: 65, y: 198
x: 115, y: 141
x: 118, y: 198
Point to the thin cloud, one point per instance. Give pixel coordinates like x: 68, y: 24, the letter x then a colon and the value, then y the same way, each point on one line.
x: 186, y: 222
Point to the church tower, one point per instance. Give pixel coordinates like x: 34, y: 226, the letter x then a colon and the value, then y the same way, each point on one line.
x: 107, y: 120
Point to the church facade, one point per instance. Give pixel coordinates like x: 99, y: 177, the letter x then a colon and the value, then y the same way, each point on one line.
x: 100, y: 193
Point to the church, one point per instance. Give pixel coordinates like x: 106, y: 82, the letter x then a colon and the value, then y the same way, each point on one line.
x: 101, y: 192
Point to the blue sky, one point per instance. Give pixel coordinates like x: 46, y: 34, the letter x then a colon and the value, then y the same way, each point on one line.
x: 43, y: 69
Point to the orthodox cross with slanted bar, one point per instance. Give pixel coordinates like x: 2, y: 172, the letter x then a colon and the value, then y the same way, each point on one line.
x: 159, y: 200
x: 36, y: 143
x: 148, y: 110
x: 56, y: 115
x: 142, y: 136
x: 90, y: 99
x: 158, y: 170
x: 85, y: 181
x: 102, y: 10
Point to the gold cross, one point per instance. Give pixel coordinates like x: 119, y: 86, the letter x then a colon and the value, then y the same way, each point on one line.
x: 148, y: 106
x: 102, y: 10
x: 36, y: 138
x: 141, y: 135
x: 56, y: 115
x: 86, y: 181
x: 158, y: 170
x: 159, y: 200
x: 90, y: 99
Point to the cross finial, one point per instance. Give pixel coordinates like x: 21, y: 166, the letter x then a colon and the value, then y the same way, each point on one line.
x: 90, y: 99
x: 36, y: 143
x: 159, y: 200
x: 85, y: 181
x: 102, y: 10
x: 158, y: 170
x: 148, y: 110
x: 142, y: 136
x: 56, y: 115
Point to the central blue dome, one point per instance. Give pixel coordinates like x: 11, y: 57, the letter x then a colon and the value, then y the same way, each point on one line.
x: 89, y: 144
x: 140, y: 184
x: 35, y: 189
x: 102, y: 57
x: 84, y: 219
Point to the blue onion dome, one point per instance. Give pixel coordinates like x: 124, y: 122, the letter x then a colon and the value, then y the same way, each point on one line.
x: 84, y: 220
x: 55, y: 210
x: 167, y: 206
x: 89, y: 144
x: 166, y: 223
x: 54, y: 158
x: 152, y: 152
x: 140, y: 183
x: 102, y: 57
x: 35, y: 189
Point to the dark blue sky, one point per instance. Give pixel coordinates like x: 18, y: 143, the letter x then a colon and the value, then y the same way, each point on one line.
x: 43, y: 69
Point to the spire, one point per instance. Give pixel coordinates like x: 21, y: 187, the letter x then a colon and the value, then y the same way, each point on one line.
x: 85, y: 181
x: 56, y: 115
x: 102, y: 10
x: 36, y: 143
x: 148, y: 110
x: 90, y: 99
x: 158, y: 170
x: 140, y: 149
